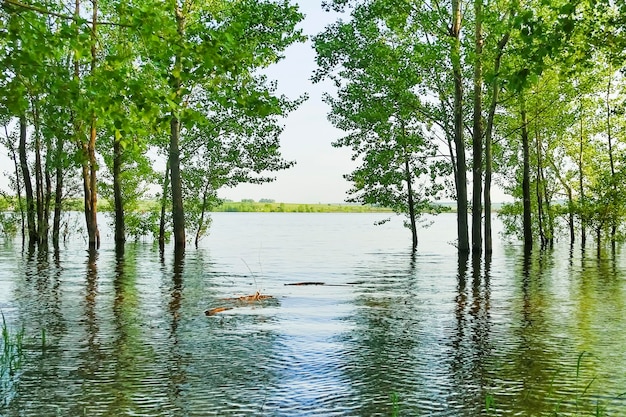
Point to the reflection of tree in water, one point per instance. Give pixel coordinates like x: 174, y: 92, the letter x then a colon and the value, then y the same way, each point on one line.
x: 38, y: 297
x: 597, y: 288
x: 386, y: 334
x: 530, y: 359
x: 128, y: 353
x: 92, y: 355
x: 220, y: 365
x: 471, y: 341
x: 176, y: 373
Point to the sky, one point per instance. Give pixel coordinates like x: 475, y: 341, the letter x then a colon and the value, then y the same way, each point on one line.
x: 317, y: 176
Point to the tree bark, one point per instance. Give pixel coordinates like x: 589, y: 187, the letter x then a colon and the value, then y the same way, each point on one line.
x: 526, y: 223
x: 178, y: 212
x: 583, y: 220
x: 18, y: 183
x: 120, y: 232
x: 461, y: 181
x: 477, y: 142
x: 611, y: 158
x: 39, y: 186
x: 166, y: 185
x: 202, y: 214
x: 489, y: 140
x: 407, y: 170
x: 58, y: 194
x: 539, y: 190
x: 90, y: 166
x: 28, y: 186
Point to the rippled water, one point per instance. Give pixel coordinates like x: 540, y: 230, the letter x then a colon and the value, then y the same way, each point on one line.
x: 422, y: 335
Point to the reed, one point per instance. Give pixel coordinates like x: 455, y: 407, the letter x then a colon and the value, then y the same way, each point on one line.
x: 11, y: 359
x: 12, y: 351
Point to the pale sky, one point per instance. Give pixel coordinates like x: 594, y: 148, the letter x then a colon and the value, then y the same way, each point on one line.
x: 317, y: 176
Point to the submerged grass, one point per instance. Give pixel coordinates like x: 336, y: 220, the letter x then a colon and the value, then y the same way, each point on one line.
x: 581, y: 402
x: 11, y: 359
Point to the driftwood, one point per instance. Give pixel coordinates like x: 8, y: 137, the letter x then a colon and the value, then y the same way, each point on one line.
x: 307, y: 283
x: 238, y: 301
x: 250, y: 298
x: 214, y: 311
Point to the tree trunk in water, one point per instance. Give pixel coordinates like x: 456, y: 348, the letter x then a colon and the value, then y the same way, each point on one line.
x: 18, y: 184
x: 178, y: 212
x: 46, y: 206
x: 58, y: 198
x: 539, y: 187
x: 477, y: 144
x: 28, y: 186
x: 461, y: 181
x: 583, y: 220
x: 527, y: 225
x: 89, y: 153
x: 202, y: 214
x: 488, y: 142
x: 407, y: 170
x: 39, y: 186
x: 120, y: 233
x: 166, y: 186
x: 611, y: 160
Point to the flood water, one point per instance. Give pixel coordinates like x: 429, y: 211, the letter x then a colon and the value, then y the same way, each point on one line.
x: 389, y: 333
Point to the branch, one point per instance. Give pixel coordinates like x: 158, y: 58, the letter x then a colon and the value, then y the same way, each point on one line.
x: 41, y: 10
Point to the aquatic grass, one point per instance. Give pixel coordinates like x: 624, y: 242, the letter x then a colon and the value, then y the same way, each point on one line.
x: 11, y: 359
x: 578, y: 398
x: 12, y: 352
x: 490, y: 403
x: 395, y: 404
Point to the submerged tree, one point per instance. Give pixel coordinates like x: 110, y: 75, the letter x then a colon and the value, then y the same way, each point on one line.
x: 204, y: 48
x: 376, y: 68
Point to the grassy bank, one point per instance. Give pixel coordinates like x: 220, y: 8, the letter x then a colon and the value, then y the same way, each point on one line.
x: 231, y: 206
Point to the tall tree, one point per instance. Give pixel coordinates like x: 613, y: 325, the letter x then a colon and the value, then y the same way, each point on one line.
x: 376, y: 64
x: 205, y: 47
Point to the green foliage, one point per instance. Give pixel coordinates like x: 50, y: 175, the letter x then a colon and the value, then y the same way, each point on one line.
x: 377, y: 63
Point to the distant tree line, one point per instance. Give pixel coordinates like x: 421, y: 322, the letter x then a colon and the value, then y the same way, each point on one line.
x: 89, y: 89
x: 529, y: 95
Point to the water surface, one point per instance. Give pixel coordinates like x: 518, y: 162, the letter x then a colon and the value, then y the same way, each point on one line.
x: 427, y: 334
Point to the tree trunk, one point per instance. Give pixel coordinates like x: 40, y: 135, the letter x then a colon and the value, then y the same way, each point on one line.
x: 477, y: 142
x: 28, y: 186
x: 18, y: 183
x: 120, y: 233
x: 178, y: 212
x: 583, y: 219
x: 461, y: 181
x: 570, y: 201
x: 46, y: 205
x: 202, y: 214
x: 488, y: 142
x: 58, y: 195
x: 89, y: 154
x: 527, y: 225
x: 39, y: 186
x: 611, y: 160
x: 407, y: 170
x: 166, y: 185
x: 539, y: 187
